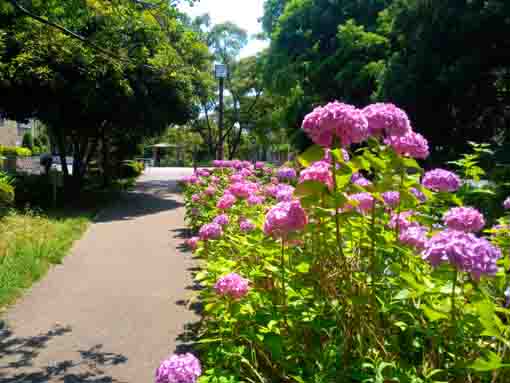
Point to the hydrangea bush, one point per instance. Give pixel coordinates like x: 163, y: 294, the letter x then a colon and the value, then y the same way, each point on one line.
x: 351, y: 265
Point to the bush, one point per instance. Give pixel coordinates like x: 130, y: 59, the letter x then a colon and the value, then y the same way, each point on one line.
x: 13, y: 151
x: 6, y: 191
x: 27, y: 141
x: 32, y: 190
x: 131, y: 169
x: 366, y: 269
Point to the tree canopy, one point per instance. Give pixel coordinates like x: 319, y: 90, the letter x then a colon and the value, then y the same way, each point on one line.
x: 446, y: 63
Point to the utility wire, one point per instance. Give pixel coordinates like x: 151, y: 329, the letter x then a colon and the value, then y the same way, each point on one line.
x: 76, y: 36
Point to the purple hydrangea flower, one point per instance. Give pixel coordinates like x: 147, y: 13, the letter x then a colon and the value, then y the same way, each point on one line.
x: 221, y: 220
x: 243, y: 189
x: 415, y: 236
x: 232, y: 285
x: 418, y: 194
x: 358, y: 179
x: 195, y: 197
x: 286, y: 173
x: 391, y: 198
x: 464, y: 251
x: 210, y: 231
x: 401, y: 220
x: 192, y: 242
x: 284, y: 192
x: 284, y: 218
x: 464, y: 219
x: 255, y: 200
x: 506, y: 204
x: 387, y: 119
x: 259, y: 165
x: 179, y: 369
x: 441, y: 180
x: 210, y: 191
x: 246, y: 225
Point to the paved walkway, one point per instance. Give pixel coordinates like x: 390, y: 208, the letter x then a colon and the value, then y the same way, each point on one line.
x: 117, y: 305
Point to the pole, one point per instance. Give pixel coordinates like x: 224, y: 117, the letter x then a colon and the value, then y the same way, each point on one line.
x: 220, y: 122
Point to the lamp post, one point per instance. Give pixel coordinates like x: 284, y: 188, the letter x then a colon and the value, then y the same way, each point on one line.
x: 220, y: 72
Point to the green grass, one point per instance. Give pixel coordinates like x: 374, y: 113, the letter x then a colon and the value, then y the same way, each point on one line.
x: 30, y: 243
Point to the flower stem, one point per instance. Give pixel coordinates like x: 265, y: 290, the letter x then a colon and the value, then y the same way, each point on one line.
x: 455, y: 277
x: 337, y: 218
x: 284, y: 292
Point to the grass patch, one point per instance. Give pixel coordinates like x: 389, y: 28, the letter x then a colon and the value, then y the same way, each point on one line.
x: 30, y: 243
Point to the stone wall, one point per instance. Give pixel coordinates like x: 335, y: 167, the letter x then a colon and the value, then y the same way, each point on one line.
x: 8, y: 133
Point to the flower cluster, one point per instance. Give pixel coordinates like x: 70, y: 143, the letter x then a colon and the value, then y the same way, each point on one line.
x: 210, y: 231
x: 358, y: 179
x: 391, y: 198
x: 506, y: 203
x: 226, y: 201
x: 246, y: 225
x: 386, y: 119
x: 221, y: 220
x: 192, y: 242
x: 411, y: 145
x: 464, y: 251
x: 232, y: 285
x: 464, y: 219
x: 179, y: 369
x: 365, y: 202
x: 243, y: 189
x: 286, y: 173
x: 441, y: 180
x: 337, y: 120
x: 284, y: 218
x: 414, y: 236
x: 319, y: 171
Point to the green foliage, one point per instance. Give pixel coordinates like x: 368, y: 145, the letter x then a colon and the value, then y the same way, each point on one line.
x: 14, y: 151
x: 27, y: 141
x: 445, y: 63
x: 30, y: 243
x: 131, y: 169
x: 6, y: 191
x: 345, y: 300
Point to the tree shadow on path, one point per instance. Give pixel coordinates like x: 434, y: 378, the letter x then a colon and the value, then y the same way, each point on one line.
x: 18, y: 360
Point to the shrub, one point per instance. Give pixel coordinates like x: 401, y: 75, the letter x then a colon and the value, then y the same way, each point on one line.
x: 13, y: 151
x: 131, y: 169
x: 27, y: 141
x: 375, y: 281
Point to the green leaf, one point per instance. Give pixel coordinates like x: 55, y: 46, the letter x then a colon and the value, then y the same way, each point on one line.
x: 308, y: 188
x: 274, y: 343
x: 303, y: 267
x: 432, y: 314
x: 492, y: 362
x: 312, y: 154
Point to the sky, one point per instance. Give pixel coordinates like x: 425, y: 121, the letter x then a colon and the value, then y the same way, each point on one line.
x: 244, y: 13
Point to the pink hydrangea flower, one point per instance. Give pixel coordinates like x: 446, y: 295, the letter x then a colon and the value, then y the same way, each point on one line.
x: 236, y: 178
x: 391, y: 198
x: 464, y: 219
x: 259, y: 165
x: 192, y: 242
x: 210, y: 191
x: 387, y: 119
x: 243, y: 189
x: 344, y: 121
x: 506, y: 203
x: 441, y: 180
x: 464, y: 251
x: 401, y: 220
x: 255, y: 200
x: 195, y: 197
x: 319, y: 171
x: 226, y: 201
x: 285, y: 192
x: 221, y: 220
x: 232, y: 285
x: 203, y: 173
x: 210, y: 231
x: 246, y: 225
x: 414, y: 236
x: 358, y: 179
x: 411, y: 145
x: 365, y: 202
x: 179, y: 369
x: 284, y: 218
x: 268, y: 171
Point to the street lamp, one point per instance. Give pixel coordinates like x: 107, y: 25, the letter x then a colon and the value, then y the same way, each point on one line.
x: 220, y: 72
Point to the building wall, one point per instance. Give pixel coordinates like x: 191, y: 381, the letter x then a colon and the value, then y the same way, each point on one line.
x: 8, y: 132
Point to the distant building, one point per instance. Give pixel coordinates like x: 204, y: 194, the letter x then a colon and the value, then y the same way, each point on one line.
x: 12, y: 132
